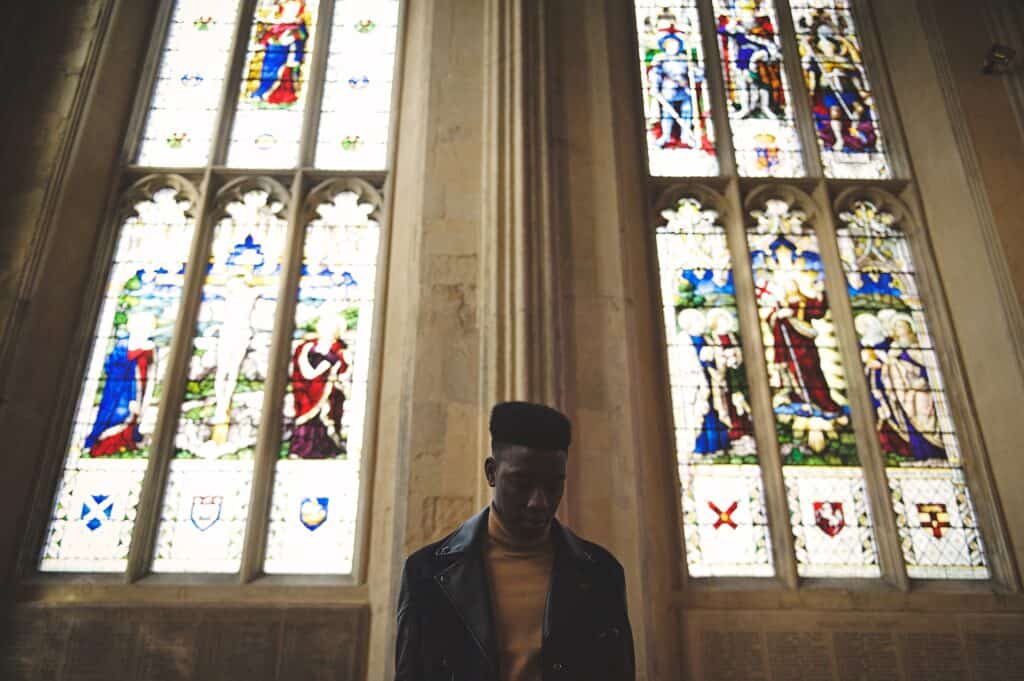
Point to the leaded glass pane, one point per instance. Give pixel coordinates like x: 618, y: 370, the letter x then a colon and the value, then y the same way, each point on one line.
x: 808, y: 386
x: 915, y: 429
x: 723, y: 500
x: 268, y: 119
x: 680, y: 136
x: 94, y: 511
x: 760, y: 110
x: 842, y: 104
x: 316, y: 484
x: 356, y: 107
x: 203, y: 515
x: 182, y: 114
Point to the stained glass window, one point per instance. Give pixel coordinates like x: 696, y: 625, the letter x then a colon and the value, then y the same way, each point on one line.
x: 756, y: 89
x: 95, y: 508
x: 356, y: 106
x: 205, y: 505
x: 182, y: 117
x: 680, y: 135
x: 933, y: 506
x: 830, y: 517
x: 723, y: 499
x: 316, y: 486
x: 842, y: 104
x: 274, y: 83
x: 261, y: 84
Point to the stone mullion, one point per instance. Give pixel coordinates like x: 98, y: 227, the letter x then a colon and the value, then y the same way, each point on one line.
x: 801, y: 108
x: 872, y: 461
x: 162, y: 450
x: 769, y: 456
x: 268, y: 439
x: 715, y: 82
x: 873, y: 58
x: 315, y: 84
x: 232, y: 79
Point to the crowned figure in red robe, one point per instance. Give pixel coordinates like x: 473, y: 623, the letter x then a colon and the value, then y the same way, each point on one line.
x: 317, y: 367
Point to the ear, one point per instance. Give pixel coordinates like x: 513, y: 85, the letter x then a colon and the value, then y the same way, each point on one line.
x: 490, y: 470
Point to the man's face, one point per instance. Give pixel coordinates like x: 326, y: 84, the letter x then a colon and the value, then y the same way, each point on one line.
x: 528, y: 485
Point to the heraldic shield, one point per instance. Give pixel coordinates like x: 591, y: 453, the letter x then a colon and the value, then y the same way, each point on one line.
x: 313, y: 512
x: 828, y: 515
x: 206, y: 511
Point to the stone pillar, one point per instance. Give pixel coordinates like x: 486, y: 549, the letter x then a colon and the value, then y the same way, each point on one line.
x: 468, y: 316
x: 622, y: 478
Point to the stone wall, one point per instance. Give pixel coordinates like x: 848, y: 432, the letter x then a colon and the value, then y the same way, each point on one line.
x: 186, y: 643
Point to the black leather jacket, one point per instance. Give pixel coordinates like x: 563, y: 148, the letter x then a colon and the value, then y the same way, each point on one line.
x: 446, y: 631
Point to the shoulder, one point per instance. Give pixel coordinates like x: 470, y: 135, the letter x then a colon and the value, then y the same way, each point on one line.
x: 421, y: 562
x: 600, y: 558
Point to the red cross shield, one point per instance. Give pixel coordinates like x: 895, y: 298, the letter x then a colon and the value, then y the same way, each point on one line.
x: 828, y: 515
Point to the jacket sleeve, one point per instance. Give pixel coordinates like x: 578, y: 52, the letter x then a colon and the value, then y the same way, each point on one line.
x: 407, y: 645
x: 628, y: 659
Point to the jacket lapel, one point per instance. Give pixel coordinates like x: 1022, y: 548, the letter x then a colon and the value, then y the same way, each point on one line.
x: 464, y: 582
x: 569, y: 580
x: 463, y: 579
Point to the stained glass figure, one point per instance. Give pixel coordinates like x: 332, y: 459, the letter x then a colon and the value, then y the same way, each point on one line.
x: 760, y: 111
x: 220, y: 411
x: 316, y: 486
x: 268, y: 117
x: 182, y: 115
x: 723, y: 499
x: 913, y: 420
x: 808, y: 385
x: 842, y: 104
x: 356, y: 108
x: 94, y: 512
x: 680, y: 135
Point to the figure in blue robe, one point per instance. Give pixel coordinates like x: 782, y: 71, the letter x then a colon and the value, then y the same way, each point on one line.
x: 714, y: 433
x: 116, y: 428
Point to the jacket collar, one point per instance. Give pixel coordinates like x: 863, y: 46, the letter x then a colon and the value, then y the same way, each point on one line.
x: 463, y: 579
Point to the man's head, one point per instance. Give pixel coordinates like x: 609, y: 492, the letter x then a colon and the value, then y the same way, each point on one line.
x: 529, y: 448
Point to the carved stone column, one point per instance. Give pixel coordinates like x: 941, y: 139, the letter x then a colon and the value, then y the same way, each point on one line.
x: 622, y: 482
x: 472, y: 308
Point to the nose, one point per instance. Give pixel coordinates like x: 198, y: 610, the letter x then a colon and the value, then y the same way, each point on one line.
x: 538, y: 500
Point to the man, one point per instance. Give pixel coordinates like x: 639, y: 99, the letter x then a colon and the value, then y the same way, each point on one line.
x: 512, y: 595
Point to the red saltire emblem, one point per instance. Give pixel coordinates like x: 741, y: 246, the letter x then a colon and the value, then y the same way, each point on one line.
x: 724, y: 517
x: 829, y: 517
x: 933, y: 517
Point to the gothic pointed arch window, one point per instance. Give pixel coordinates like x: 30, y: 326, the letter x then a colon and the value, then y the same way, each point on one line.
x: 816, y: 433
x: 220, y: 425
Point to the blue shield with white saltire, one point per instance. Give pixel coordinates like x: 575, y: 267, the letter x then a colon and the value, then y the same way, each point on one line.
x: 206, y: 511
x: 96, y: 509
x: 313, y: 512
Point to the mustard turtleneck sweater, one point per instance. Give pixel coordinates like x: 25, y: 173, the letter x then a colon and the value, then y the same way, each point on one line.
x: 519, y: 573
